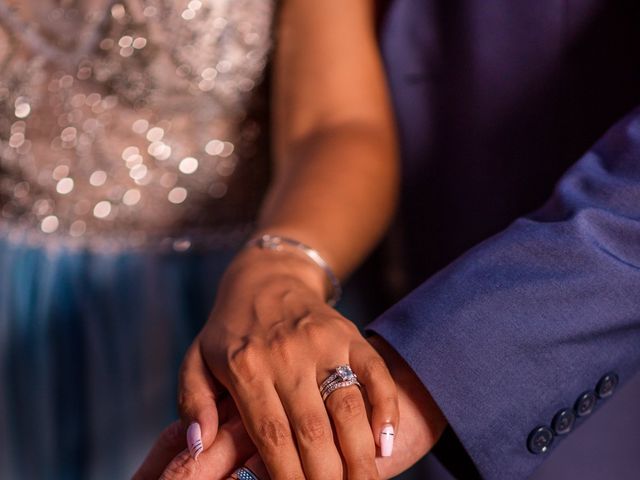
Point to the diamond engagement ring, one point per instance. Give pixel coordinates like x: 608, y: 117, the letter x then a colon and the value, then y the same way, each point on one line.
x: 342, y: 377
x: 243, y: 473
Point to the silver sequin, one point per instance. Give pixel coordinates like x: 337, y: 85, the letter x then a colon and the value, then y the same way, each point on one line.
x: 139, y: 132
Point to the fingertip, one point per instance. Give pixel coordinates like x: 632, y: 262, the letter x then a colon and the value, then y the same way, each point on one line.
x: 387, y: 436
x: 384, y: 411
x: 194, y: 440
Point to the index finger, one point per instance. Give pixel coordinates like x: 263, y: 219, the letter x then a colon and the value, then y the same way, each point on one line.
x: 197, y: 400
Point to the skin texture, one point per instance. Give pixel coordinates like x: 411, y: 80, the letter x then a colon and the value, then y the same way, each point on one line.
x: 271, y: 338
x: 422, y: 425
x: 270, y: 343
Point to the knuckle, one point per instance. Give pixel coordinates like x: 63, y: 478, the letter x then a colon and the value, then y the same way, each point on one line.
x: 349, y: 327
x: 282, y: 344
x: 313, y: 428
x: 323, y: 330
x: 272, y: 432
x: 188, y: 401
x: 311, y: 325
x: 374, y: 367
x: 244, y: 361
x: 350, y: 405
x: 294, y: 476
x: 368, y: 475
x: 390, y: 401
x: 364, y: 465
x: 182, y: 466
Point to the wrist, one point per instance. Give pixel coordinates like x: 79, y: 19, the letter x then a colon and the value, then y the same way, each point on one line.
x: 261, y: 266
x: 285, y: 244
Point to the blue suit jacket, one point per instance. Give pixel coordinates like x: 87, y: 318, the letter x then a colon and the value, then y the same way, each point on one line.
x: 495, y: 99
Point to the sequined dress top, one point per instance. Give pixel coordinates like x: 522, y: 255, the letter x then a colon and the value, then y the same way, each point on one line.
x: 130, y: 121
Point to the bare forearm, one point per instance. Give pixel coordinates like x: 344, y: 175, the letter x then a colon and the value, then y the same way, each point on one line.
x: 339, y: 196
x: 336, y: 167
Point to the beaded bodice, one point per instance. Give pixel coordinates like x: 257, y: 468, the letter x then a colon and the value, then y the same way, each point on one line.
x: 130, y: 118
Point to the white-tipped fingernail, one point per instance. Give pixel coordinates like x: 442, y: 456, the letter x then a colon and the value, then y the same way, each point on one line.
x: 194, y: 440
x: 386, y: 440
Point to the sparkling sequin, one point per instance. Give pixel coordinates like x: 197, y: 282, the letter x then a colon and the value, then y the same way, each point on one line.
x: 131, y: 197
x: 125, y: 41
x: 102, y: 209
x: 188, y: 14
x: 139, y: 43
x: 133, y: 160
x: 130, y: 151
x: 98, y: 178
x: 77, y: 228
x: 188, y: 165
x: 64, y: 186
x: 177, y: 195
x: 146, y: 115
x: 227, y: 149
x: 118, y: 10
x: 182, y: 244
x: 214, y: 147
x: 60, y: 172
x: 155, y: 134
x: 140, y: 126
x: 138, y: 172
x: 50, y: 224
x: 23, y: 109
x: 16, y: 140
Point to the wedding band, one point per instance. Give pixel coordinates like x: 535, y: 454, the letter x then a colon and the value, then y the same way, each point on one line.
x: 342, y: 377
x: 243, y: 473
x: 336, y: 386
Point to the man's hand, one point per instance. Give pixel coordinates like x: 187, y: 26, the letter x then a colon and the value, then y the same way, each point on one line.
x: 422, y: 424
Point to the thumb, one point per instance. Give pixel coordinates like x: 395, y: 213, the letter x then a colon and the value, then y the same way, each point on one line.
x: 197, y: 401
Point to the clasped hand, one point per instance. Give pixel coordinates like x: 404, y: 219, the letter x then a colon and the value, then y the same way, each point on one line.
x: 250, y: 381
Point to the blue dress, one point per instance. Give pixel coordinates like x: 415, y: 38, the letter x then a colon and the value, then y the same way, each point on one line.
x: 91, y: 344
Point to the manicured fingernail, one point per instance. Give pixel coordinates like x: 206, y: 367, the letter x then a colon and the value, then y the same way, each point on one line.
x: 386, y: 440
x: 194, y: 440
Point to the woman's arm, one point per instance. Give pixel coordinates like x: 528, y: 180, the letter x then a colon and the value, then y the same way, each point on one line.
x: 336, y: 165
x: 271, y: 338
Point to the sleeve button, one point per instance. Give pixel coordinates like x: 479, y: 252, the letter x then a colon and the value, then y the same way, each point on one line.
x: 607, y: 385
x: 563, y: 421
x: 585, y: 404
x: 539, y: 440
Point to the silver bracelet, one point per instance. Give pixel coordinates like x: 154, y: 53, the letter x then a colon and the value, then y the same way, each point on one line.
x: 276, y: 242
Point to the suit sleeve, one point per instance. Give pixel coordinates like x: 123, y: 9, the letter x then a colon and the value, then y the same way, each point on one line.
x: 522, y: 325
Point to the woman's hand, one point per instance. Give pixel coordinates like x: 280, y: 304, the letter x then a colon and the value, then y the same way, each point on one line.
x: 423, y: 424
x: 422, y: 420
x: 270, y: 341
